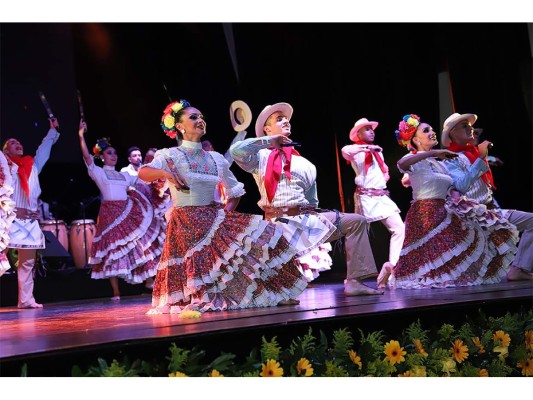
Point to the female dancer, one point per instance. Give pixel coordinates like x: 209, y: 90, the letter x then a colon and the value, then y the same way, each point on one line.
x: 214, y: 258
x: 130, y: 228
x: 449, y: 240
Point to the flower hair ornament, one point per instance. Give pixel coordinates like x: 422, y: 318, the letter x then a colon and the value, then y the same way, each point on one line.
x: 406, y: 130
x: 100, y: 146
x: 168, y: 121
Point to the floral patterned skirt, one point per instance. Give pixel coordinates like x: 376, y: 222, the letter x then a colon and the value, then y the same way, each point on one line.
x: 454, y: 243
x: 128, y: 239
x: 218, y: 260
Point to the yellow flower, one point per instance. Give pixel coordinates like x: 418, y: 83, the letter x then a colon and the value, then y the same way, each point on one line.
x: 189, y: 314
x: 412, y: 121
x: 355, y: 358
x: 419, y: 347
x: 483, y: 373
x: 527, y: 367
x: 177, y: 374
x: 304, y: 367
x: 478, y: 344
x: 271, y: 369
x: 502, y: 337
x: 394, y: 352
x: 416, y: 371
x: 503, y: 350
x: 176, y: 106
x: 529, y: 340
x: 460, y: 351
x: 215, y: 373
x: 169, y: 121
x: 448, y: 365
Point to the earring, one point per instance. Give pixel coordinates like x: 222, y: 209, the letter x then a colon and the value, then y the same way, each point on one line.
x: 182, y: 131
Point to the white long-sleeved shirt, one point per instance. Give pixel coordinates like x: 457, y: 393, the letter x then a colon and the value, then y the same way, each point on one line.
x: 301, y: 190
x: 202, y: 171
x: 41, y: 157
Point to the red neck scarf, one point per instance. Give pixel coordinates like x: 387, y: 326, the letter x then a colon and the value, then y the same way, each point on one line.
x: 472, y: 153
x: 368, y: 158
x: 273, y: 169
x: 25, y: 163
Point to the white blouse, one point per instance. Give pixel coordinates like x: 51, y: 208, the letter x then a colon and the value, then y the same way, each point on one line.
x: 113, y: 185
x: 429, y: 179
x: 201, y: 170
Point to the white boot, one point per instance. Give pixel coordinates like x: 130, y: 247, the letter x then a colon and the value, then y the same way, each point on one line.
x: 25, y: 284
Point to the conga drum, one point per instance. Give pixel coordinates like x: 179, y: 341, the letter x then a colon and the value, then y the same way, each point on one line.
x: 80, y: 237
x: 58, y: 228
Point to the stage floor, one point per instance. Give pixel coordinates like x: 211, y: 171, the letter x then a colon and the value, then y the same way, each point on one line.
x: 83, y: 324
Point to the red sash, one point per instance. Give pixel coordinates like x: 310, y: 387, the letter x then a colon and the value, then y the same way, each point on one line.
x: 25, y: 164
x: 273, y: 169
x: 472, y: 153
x: 368, y: 158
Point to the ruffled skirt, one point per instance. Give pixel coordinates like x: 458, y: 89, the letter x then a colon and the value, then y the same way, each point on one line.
x: 216, y: 260
x: 128, y: 239
x: 454, y: 243
x: 316, y: 261
x: 307, y: 234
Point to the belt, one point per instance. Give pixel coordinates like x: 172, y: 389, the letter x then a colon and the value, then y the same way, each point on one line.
x: 372, y: 192
x: 25, y: 213
x: 273, y: 212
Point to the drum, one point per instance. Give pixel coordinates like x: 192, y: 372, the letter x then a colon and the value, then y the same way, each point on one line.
x: 80, y: 237
x: 58, y: 229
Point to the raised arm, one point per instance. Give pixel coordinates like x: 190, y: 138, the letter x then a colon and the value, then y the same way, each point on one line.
x: 43, y: 152
x: 83, y: 146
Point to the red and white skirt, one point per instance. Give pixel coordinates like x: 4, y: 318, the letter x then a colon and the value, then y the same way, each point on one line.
x: 454, y: 243
x: 218, y: 260
x: 127, y: 241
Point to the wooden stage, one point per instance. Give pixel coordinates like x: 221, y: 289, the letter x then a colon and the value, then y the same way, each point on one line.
x: 71, y: 330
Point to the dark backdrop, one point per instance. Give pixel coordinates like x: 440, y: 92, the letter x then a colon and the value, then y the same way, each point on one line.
x: 331, y: 73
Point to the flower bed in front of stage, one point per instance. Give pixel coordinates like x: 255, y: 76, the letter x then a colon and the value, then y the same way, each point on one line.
x: 489, y: 346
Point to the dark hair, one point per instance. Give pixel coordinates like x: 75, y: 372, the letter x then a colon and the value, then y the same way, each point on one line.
x: 133, y: 148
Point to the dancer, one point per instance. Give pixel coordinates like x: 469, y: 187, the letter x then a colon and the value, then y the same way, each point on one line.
x: 288, y: 188
x: 214, y: 258
x: 128, y: 237
x: 25, y: 234
x: 450, y: 240
x: 371, y: 197
x: 472, y: 176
